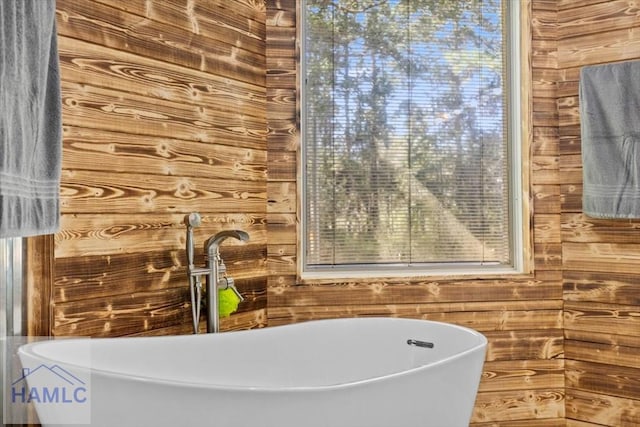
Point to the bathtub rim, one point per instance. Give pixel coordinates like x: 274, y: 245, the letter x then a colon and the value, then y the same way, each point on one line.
x: 481, y: 345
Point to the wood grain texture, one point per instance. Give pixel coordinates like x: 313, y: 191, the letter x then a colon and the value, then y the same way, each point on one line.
x: 38, y: 267
x: 103, y: 192
x: 87, y: 63
x: 602, y: 409
x: 118, y: 152
x: 119, y: 29
x: 611, y: 46
x: 603, y: 318
x: 603, y: 257
x: 577, y: 227
x: 619, y: 381
x: 607, y: 287
x: 543, y: 422
x: 172, y: 106
x: 164, y: 113
x: 518, y: 375
x: 546, y: 199
x: 86, y: 235
x: 520, y: 315
x: 112, y: 110
x: 597, y: 18
x: 507, y: 406
x: 600, y: 256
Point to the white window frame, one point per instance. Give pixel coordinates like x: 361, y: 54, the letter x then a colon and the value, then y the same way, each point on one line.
x: 519, y: 132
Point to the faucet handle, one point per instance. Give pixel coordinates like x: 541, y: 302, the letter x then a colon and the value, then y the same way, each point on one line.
x: 222, y: 268
x: 191, y: 220
x: 228, y: 283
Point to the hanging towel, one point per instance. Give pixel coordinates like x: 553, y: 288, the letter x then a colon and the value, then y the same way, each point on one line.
x: 610, y: 135
x: 30, y: 118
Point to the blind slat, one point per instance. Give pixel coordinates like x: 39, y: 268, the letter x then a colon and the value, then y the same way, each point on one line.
x: 406, y: 148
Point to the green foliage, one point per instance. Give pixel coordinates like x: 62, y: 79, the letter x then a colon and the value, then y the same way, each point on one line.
x: 405, y: 110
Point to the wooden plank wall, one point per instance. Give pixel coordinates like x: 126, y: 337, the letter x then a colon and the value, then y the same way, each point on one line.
x: 168, y: 110
x: 601, y: 258
x: 164, y: 114
x: 523, y: 382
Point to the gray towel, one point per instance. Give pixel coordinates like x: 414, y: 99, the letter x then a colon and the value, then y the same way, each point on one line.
x: 610, y: 135
x: 30, y: 118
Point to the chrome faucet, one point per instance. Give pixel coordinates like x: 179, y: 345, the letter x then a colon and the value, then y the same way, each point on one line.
x: 215, y: 273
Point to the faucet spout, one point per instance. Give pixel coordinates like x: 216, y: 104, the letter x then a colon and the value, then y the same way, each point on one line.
x: 195, y: 285
x: 217, y: 270
x: 213, y: 243
x: 215, y: 273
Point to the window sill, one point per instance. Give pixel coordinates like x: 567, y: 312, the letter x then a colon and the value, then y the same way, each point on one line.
x: 403, y: 275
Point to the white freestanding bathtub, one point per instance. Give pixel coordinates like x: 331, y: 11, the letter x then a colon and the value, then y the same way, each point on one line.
x: 362, y: 372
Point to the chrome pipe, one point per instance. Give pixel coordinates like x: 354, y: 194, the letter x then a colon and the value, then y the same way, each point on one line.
x: 214, y: 271
x: 193, y: 220
x: 216, y: 267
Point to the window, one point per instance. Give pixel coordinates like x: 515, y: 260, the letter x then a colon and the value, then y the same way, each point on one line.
x: 409, y: 155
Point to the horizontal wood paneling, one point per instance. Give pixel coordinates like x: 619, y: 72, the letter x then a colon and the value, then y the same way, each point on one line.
x: 122, y: 30
x: 609, y: 338
x: 617, y: 350
x: 88, y: 63
x: 599, y: 317
x: 521, y: 315
x: 484, y: 319
x: 612, y: 46
x: 504, y: 407
x: 543, y: 422
x: 620, y: 381
x: 597, y: 18
x: 172, y: 106
x: 164, y: 113
x: 107, y: 109
x: 577, y: 227
x: 118, y: 152
x: 607, y: 287
x: 242, y: 20
x: 602, y: 409
x: 614, y: 257
x: 461, y: 291
x: 600, y: 256
x: 512, y: 375
x: 104, y: 192
x: 121, y: 314
x: 546, y: 199
x: 89, y: 234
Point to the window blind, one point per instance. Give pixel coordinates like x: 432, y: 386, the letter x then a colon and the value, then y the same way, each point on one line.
x: 406, y: 141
